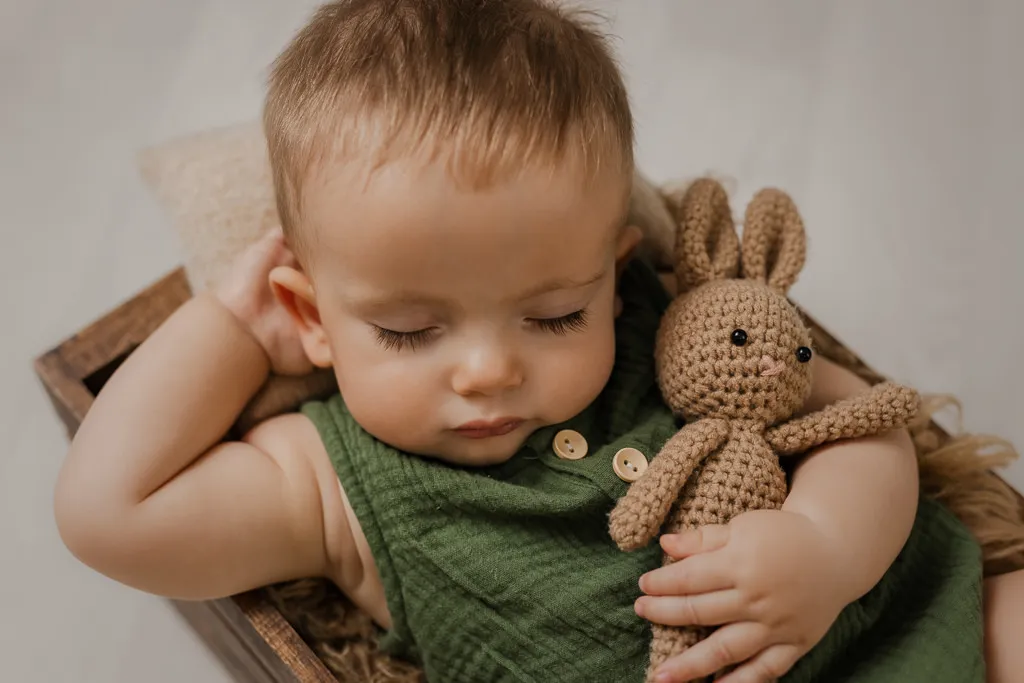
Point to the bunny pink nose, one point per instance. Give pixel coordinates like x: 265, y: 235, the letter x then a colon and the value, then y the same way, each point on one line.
x: 770, y: 367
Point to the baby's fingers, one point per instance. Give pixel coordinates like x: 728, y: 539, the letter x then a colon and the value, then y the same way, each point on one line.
x: 708, y: 609
x: 703, y: 539
x: 728, y: 645
x: 277, y: 251
x: 768, y: 666
x: 692, y: 576
x: 267, y: 248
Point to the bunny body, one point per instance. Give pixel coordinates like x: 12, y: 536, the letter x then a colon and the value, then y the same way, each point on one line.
x: 732, y: 357
x: 743, y: 474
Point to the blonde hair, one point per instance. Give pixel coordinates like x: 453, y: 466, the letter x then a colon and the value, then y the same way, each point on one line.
x: 492, y: 85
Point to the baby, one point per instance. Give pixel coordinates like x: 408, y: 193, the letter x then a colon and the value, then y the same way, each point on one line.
x: 453, y: 179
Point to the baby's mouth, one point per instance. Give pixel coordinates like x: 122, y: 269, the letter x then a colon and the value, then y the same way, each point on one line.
x: 771, y: 367
x: 484, y: 429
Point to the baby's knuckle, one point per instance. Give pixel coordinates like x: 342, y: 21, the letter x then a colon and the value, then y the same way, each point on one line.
x: 722, y: 652
x: 690, y: 613
x: 742, y: 549
x: 769, y: 670
x: 750, y: 584
x: 803, y: 640
x: 758, y: 607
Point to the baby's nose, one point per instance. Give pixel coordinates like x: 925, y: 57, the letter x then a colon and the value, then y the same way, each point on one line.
x: 770, y: 367
x: 487, y: 370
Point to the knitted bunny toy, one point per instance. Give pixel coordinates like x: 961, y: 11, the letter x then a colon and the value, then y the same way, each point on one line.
x: 732, y: 357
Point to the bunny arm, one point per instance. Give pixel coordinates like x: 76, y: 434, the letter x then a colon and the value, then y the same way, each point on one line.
x: 639, y: 514
x: 882, y: 408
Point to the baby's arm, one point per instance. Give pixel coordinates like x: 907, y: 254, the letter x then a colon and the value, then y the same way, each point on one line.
x: 860, y: 493
x: 148, y: 495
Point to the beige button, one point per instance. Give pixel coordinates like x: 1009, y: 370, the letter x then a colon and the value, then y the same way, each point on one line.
x: 569, y: 445
x: 630, y: 464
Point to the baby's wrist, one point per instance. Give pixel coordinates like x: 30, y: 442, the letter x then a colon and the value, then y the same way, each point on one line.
x: 242, y: 318
x: 825, y: 554
x: 243, y: 306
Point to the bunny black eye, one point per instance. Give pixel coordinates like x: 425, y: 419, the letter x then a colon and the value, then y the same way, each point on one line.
x: 739, y: 337
x: 803, y: 354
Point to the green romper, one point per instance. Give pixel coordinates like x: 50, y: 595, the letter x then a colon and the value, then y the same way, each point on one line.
x: 507, y: 573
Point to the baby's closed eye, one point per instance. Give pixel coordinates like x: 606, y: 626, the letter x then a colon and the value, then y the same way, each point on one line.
x: 393, y: 340
x: 411, y: 340
x: 562, y: 325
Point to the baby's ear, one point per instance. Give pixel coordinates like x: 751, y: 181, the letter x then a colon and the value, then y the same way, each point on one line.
x: 625, y: 247
x: 294, y: 292
x: 707, y: 247
x: 774, y: 241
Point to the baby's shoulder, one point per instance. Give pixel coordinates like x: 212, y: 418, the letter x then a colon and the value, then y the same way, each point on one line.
x: 294, y: 438
x: 288, y: 435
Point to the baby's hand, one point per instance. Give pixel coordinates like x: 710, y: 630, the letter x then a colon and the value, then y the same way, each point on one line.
x: 246, y: 292
x: 770, y: 579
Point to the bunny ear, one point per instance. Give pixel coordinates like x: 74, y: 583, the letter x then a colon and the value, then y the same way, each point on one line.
x: 707, y: 247
x: 774, y: 242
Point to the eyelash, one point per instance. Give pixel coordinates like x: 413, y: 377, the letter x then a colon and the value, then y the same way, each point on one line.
x: 574, y: 322
x: 398, y: 341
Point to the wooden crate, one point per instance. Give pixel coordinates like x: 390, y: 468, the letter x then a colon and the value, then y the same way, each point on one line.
x: 246, y: 632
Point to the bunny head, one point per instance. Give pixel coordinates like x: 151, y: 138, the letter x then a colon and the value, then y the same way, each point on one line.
x: 731, y: 345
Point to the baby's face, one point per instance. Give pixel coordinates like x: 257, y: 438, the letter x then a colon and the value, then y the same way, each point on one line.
x: 458, y: 322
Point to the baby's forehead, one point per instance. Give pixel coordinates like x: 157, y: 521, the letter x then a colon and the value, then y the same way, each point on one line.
x: 408, y: 193
x: 418, y: 233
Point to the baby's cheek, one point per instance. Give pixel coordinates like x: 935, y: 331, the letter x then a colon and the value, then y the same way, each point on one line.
x: 571, y: 379
x: 384, y: 397
x: 393, y: 416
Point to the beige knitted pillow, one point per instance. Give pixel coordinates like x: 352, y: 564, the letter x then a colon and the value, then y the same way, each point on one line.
x: 217, y: 187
